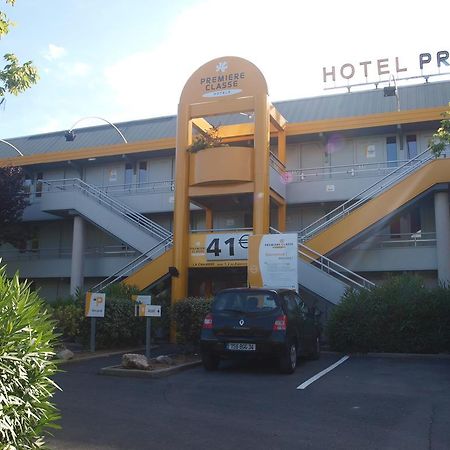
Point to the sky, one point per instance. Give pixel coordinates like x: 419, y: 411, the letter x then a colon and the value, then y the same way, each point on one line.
x: 126, y: 60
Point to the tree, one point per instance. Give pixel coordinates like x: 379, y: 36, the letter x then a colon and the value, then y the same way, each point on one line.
x: 441, y: 138
x: 14, y: 77
x: 27, y: 340
x: 13, y: 200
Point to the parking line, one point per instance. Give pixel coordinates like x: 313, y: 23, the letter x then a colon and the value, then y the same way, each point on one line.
x: 321, y: 374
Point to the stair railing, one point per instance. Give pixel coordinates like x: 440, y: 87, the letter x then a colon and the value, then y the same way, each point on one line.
x: 134, y: 265
x: 365, y: 195
x: 109, y: 202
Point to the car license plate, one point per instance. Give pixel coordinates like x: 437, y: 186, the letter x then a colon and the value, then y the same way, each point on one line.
x: 241, y: 347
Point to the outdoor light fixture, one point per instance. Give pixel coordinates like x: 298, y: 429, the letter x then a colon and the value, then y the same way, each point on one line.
x: 12, y: 146
x: 389, y: 91
x: 70, y: 134
x: 392, y: 91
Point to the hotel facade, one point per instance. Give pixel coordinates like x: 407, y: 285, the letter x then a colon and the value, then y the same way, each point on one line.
x: 350, y: 173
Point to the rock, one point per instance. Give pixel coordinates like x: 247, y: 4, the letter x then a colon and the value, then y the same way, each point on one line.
x: 164, y: 359
x: 64, y: 354
x: 134, y: 361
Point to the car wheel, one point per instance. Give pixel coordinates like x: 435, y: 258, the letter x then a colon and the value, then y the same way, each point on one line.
x: 315, y: 352
x: 288, y: 360
x: 210, y: 361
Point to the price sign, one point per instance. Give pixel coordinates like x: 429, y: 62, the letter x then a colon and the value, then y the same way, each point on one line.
x: 226, y: 246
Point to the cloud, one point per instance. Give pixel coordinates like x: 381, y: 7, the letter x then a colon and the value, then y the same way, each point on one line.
x: 77, y: 69
x: 290, y: 44
x: 54, y: 52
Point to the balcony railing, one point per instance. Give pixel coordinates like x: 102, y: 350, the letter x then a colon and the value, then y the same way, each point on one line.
x: 347, y: 170
x: 66, y: 252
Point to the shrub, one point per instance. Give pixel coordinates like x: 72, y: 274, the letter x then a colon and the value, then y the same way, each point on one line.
x: 401, y: 315
x: 188, y: 315
x: 118, y: 328
x: 26, y: 352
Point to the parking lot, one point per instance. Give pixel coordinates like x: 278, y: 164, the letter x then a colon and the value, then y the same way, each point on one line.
x: 364, y: 403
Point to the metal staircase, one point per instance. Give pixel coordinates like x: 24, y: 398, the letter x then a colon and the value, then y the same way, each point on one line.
x: 108, y: 213
x: 382, y: 185
x: 135, y: 264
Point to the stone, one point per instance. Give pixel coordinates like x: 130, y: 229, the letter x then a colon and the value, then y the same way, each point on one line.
x: 164, y: 359
x: 64, y: 354
x: 134, y: 361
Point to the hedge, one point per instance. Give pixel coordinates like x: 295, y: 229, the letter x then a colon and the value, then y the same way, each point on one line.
x: 402, y: 315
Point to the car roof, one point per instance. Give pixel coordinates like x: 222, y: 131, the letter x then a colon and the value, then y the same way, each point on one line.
x: 241, y: 289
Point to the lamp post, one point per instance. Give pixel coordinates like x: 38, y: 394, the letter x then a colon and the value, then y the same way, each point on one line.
x: 70, y: 134
x: 12, y: 146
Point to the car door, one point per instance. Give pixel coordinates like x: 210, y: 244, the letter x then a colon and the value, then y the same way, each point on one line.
x: 308, y: 326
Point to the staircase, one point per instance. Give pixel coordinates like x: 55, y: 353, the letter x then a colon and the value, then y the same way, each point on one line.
x: 376, y: 202
x: 96, y: 206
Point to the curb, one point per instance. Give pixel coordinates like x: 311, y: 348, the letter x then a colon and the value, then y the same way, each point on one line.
x: 89, y: 356
x: 405, y: 355
x: 117, y: 371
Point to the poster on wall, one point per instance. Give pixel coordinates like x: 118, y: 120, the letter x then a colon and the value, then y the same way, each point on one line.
x: 218, y: 249
x: 273, y: 261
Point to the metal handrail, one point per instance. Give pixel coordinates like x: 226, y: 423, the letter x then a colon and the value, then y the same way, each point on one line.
x: 365, y: 195
x: 277, y: 164
x: 367, y: 169
x: 133, y: 265
x: 332, y: 267
x: 120, y: 208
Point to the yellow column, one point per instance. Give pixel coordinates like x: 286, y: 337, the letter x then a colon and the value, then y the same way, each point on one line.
x: 261, y: 197
x: 282, y: 146
x: 208, y: 219
x: 181, y: 207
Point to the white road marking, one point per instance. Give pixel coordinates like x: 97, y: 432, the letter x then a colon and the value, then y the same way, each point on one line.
x: 321, y: 374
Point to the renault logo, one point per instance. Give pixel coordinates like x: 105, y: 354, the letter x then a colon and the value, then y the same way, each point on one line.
x: 241, y: 322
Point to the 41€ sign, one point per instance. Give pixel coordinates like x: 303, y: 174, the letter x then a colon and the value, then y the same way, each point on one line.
x: 218, y: 249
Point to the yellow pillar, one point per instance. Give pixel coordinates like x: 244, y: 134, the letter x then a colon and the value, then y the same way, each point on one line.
x: 208, y: 219
x: 181, y: 206
x: 261, y: 196
x: 282, y: 146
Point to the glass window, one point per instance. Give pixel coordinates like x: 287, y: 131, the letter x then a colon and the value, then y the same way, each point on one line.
x: 142, y: 172
x: 128, y: 175
x: 391, y: 149
x: 39, y: 177
x: 252, y: 302
x: 411, y: 143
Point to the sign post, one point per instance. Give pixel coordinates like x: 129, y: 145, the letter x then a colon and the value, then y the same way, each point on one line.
x: 144, y: 308
x: 94, y: 307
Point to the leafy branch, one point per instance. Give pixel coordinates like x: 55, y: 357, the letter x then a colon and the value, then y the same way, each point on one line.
x: 441, y: 139
x: 209, y: 139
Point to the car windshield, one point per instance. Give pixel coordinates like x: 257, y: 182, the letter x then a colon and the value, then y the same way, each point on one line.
x: 248, y: 302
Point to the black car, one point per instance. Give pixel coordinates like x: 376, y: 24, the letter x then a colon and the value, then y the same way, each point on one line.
x: 246, y: 322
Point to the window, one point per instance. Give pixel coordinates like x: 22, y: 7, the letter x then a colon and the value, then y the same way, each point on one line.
x: 395, y: 228
x: 391, y: 149
x: 415, y: 220
x: 39, y: 177
x: 128, y: 175
x: 142, y: 172
x: 411, y: 144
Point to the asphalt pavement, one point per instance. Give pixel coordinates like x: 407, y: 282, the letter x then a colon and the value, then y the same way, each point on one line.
x: 365, y: 403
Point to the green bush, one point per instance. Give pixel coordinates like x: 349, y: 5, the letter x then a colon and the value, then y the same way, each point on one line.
x: 26, y: 352
x: 69, y: 317
x: 401, y: 315
x: 188, y: 315
x: 118, y: 328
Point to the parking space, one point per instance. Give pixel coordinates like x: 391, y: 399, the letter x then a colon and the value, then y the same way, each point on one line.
x: 364, y: 403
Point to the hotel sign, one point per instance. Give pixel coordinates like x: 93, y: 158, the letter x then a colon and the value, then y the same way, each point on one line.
x: 382, y: 66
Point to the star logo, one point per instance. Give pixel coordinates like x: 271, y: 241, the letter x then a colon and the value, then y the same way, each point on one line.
x: 222, y: 67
